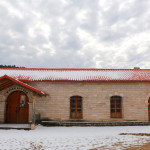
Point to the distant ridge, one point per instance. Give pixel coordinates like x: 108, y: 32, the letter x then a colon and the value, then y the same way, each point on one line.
x: 10, y: 66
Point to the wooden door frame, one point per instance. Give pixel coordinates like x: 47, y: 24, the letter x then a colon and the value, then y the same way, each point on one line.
x: 116, y: 114
x: 5, y: 115
x: 76, y: 106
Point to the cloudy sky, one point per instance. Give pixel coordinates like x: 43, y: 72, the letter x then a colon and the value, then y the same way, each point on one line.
x: 75, y: 33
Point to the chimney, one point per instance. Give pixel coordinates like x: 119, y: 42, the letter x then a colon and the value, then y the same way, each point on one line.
x: 136, y: 67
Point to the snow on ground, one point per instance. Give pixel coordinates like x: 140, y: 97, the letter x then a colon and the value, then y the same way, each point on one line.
x: 73, y: 138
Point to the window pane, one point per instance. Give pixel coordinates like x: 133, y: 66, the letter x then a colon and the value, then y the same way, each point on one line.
x: 118, y: 101
x: 79, y: 110
x: 118, y: 110
x: 112, y: 110
x: 112, y: 101
x: 78, y: 101
x: 73, y: 110
x: 112, y: 105
x: 73, y: 106
x: 78, y: 105
x: 73, y: 101
x: 118, y: 106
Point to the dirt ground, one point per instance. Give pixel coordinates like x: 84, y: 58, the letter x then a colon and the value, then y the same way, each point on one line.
x: 143, y: 147
x: 146, y: 146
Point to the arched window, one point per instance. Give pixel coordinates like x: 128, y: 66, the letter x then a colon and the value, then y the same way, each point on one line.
x: 116, y: 107
x: 76, y: 107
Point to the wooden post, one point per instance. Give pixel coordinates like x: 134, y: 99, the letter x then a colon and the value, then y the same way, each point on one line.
x: 33, y: 113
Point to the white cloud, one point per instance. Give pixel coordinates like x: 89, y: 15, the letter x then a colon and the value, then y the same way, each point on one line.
x: 11, y: 10
x: 65, y: 33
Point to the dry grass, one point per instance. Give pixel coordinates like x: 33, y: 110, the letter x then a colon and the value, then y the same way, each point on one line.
x: 142, y: 147
x: 138, y: 147
x: 145, y: 146
x: 137, y: 134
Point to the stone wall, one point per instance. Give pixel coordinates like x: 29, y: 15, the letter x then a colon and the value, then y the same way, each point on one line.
x: 96, y: 100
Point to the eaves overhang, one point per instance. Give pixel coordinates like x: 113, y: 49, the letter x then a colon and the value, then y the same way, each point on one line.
x: 7, y: 81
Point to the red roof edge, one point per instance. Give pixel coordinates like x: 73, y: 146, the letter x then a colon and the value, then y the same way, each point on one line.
x: 23, y: 84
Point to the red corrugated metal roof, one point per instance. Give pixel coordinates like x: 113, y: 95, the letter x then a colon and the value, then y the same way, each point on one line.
x: 77, y: 74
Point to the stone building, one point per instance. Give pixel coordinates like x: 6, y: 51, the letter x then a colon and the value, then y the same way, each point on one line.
x: 74, y: 94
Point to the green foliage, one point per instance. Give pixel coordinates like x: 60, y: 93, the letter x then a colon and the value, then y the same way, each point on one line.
x: 10, y: 66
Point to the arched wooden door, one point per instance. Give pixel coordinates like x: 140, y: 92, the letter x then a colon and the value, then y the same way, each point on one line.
x: 17, y: 108
x: 149, y: 109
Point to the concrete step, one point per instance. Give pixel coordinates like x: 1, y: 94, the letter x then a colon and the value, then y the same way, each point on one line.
x: 15, y: 126
x: 84, y: 123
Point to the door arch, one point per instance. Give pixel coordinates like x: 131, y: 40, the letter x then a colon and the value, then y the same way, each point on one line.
x: 17, y: 107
